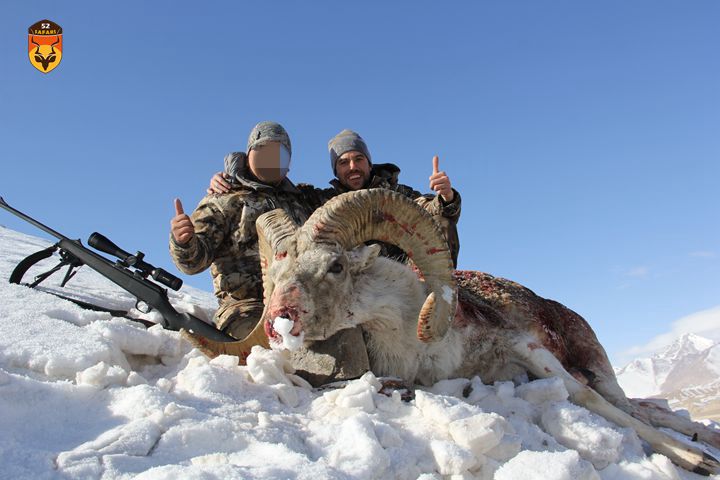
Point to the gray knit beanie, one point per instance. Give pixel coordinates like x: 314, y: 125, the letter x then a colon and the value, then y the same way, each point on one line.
x: 265, y: 132
x: 346, y: 141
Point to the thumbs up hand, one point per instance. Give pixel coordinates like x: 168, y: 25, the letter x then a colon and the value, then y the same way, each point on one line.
x: 440, y: 182
x: 181, y: 226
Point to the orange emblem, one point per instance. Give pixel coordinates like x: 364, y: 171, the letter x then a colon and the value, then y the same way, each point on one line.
x: 45, y: 45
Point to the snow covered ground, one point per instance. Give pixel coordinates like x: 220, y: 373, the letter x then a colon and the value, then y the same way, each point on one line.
x: 84, y: 395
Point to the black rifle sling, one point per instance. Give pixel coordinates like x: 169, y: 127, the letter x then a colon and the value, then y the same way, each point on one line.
x: 22, y: 267
x: 97, y: 308
x: 17, y: 275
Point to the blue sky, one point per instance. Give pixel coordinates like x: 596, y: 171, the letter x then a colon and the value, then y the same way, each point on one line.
x: 583, y: 136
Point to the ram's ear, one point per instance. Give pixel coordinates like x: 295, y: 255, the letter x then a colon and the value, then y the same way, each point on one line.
x: 362, y: 257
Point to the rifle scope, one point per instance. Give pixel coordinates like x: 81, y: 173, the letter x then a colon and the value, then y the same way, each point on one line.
x: 104, y: 244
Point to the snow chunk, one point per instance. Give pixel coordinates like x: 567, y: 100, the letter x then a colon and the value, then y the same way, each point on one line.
x: 54, y: 348
x: 272, y: 367
x: 452, y: 459
x: 357, y: 394
x: 134, y: 379
x: 134, y: 339
x: 543, y: 390
x: 269, y: 367
x: 138, y: 401
x: 591, y: 435
x: 657, y: 467
x: 283, y: 326
x: 135, y: 438
x: 387, y: 436
x: 390, y: 404
x: 357, y: 451
x: 509, y: 446
x: 202, y: 380
x: 442, y: 409
x: 214, y: 435
x: 479, y: 433
x: 529, y: 465
x: 226, y: 361
x: 504, y: 390
x: 454, y: 387
x: 101, y: 375
x: 164, y: 384
x: 501, y: 400
x: 477, y: 390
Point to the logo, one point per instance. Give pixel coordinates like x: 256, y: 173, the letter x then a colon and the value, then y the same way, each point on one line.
x: 45, y: 45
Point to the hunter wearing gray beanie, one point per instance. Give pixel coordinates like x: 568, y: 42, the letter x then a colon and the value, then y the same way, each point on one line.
x: 265, y: 132
x: 346, y: 141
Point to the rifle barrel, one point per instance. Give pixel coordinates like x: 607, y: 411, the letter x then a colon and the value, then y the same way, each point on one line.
x: 31, y: 220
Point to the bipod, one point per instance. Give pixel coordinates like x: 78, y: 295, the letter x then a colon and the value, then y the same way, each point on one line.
x: 66, y: 258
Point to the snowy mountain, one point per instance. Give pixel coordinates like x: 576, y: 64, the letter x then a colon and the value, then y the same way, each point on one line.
x: 85, y: 395
x: 686, y: 373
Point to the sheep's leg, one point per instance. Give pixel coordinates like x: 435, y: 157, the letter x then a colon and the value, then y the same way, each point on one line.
x: 540, y: 362
x: 607, y: 386
x: 658, y: 416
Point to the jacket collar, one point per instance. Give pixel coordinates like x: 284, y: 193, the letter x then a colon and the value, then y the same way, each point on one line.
x: 245, y: 178
x: 382, y: 175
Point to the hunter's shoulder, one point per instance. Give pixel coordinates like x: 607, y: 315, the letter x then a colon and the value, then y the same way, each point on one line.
x: 389, y: 171
x: 315, y: 196
x: 226, y: 204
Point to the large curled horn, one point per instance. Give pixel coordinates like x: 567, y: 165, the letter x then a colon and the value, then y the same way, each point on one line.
x: 378, y: 214
x: 276, y: 239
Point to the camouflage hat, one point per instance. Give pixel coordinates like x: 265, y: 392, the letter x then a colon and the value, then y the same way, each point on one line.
x: 346, y: 141
x: 265, y: 132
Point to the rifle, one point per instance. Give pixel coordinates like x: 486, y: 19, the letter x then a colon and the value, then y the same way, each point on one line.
x: 149, y: 295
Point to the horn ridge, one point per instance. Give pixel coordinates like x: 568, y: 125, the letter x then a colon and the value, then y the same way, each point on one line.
x: 276, y: 236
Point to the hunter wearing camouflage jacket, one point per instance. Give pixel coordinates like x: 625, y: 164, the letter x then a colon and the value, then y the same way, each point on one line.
x: 226, y: 241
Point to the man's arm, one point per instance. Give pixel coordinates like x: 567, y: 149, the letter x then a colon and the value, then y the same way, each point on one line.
x: 445, y: 203
x: 315, y: 197
x: 195, y: 251
x: 437, y: 207
x: 221, y: 182
x: 446, y: 213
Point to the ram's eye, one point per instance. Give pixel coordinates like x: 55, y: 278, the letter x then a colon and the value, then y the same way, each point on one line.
x: 336, y: 267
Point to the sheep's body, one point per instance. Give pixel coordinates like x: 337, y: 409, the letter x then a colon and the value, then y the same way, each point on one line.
x: 501, y: 330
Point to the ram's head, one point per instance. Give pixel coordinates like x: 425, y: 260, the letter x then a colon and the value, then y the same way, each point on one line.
x: 311, y: 273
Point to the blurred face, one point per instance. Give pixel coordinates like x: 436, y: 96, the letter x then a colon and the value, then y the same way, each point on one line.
x: 353, y: 170
x: 270, y: 163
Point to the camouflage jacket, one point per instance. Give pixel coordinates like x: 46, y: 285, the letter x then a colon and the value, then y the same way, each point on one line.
x: 225, y: 237
x: 385, y: 175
